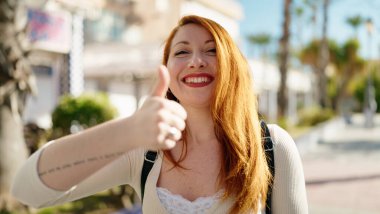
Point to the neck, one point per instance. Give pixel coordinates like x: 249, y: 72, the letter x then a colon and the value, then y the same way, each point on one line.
x: 199, y: 125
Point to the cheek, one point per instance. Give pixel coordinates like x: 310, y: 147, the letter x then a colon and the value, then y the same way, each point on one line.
x: 173, y: 78
x: 170, y: 64
x: 171, y: 70
x: 174, y: 66
x: 214, y: 64
x: 173, y: 73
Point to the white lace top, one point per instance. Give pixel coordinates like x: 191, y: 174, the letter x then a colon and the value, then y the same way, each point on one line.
x: 176, y: 204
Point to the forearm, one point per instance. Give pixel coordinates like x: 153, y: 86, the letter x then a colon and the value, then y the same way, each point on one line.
x: 90, y: 161
x: 69, y: 160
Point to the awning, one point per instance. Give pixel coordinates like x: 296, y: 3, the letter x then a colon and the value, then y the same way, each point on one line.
x: 118, y: 59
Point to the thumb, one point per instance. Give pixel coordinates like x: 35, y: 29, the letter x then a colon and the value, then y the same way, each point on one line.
x: 163, y: 82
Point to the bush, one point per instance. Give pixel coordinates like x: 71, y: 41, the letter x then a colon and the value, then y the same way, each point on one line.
x: 314, y: 115
x: 75, y: 113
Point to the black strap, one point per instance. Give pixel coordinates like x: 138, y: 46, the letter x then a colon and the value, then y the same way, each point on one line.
x: 268, y: 146
x: 149, y: 159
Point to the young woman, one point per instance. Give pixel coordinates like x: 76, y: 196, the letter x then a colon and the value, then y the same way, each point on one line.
x: 217, y: 166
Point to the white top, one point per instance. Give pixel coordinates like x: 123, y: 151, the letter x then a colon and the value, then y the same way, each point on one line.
x: 176, y: 204
x: 288, y: 196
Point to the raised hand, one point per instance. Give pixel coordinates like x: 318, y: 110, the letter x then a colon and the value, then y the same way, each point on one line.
x: 160, y: 121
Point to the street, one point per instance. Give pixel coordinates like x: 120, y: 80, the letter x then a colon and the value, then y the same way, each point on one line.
x: 343, y: 172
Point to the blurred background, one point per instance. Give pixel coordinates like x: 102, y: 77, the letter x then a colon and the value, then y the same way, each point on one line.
x: 68, y: 65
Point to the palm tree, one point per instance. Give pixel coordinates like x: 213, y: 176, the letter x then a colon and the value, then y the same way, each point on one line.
x: 345, y: 59
x: 349, y: 64
x: 313, y: 6
x: 323, y: 58
x: 299, y: 13
x: 16, y: 82
x: 262, y: 40
x: 355, y: 22
x: 284, y: 58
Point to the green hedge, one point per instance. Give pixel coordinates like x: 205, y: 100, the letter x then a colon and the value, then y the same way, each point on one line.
x: 81, y: 112
x: 314, y: 115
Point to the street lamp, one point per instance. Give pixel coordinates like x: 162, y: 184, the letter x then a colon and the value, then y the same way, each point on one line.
x: 370, y: 105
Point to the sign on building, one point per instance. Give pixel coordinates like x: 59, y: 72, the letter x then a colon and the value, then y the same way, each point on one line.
x: 49, y: 31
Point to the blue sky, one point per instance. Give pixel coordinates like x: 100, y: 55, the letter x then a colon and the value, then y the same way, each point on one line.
x: 265, y: 16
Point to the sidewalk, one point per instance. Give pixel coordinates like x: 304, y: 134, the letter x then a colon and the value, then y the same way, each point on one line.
x: 343, y: 172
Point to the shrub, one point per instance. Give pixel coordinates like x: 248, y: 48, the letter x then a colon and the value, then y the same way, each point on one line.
x: 81, y: 112
x: 314, y: 115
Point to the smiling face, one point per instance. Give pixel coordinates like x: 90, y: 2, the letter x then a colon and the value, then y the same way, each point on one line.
x: 192, y: 64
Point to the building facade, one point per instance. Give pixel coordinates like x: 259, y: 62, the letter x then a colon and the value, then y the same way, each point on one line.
x: 123, y: 46
x: 115, y: 46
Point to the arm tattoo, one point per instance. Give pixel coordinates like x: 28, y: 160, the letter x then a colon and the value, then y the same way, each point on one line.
x: 80, y: 162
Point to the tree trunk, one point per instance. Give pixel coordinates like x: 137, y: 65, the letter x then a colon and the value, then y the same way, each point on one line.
x: 16, y: 82
x: 13, y: 153
x: 284, y: 55
x: 323, y: 59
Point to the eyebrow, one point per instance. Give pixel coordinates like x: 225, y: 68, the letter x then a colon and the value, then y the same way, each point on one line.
x: 181, y: 42
x: 186, y: 42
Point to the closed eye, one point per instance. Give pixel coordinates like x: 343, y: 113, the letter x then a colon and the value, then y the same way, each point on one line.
x: 212, y: 51
x: 180, y: 53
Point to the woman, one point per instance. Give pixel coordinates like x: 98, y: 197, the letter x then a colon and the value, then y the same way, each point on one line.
x: 219, y: 164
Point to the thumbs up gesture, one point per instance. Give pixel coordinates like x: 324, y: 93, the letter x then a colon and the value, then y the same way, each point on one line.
x: 159, y: 121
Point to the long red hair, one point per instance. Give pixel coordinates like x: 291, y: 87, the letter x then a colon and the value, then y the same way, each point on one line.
x: 245, y: 172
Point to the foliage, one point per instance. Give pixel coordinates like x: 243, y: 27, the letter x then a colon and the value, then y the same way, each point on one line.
x: 84, y: 111
x: 343, y: 58
x: 339, y: 55
x: 260, y: 39
x: 360, y: 87
x: 355, y: 22
x: 98, y: 203
x: 314, y: 115
x: 16, y: 75
x: 332, y: 87
x: 35, y: 136
x: 348, y: 63
x: 108, y: 201
x: 309, y: 55
x: 283, y: 122
x: 348, y: 55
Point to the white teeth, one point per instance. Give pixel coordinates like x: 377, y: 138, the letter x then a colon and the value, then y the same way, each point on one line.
x: 197, y: 79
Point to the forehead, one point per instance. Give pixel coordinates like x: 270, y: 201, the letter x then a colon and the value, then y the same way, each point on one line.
x: 192, y: 33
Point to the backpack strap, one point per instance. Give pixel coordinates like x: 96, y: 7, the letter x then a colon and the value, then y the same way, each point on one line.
x: 268, y: 146
x: 149, y: 159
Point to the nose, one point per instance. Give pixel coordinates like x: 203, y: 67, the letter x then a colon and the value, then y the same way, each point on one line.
x: 197, y: 61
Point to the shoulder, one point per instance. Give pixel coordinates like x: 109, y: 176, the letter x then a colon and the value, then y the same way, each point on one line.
x: 289, y: 192
x: 284, y: 146
x: 280, y: 136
